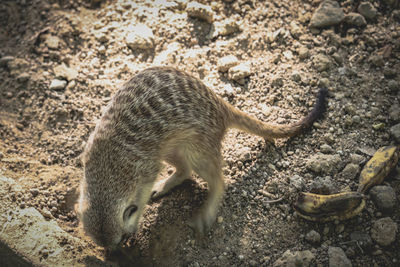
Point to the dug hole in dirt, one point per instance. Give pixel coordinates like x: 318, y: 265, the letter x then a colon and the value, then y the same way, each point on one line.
x: 61, y: 62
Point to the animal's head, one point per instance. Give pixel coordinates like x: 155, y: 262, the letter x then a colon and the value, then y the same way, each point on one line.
x: 113, y: 195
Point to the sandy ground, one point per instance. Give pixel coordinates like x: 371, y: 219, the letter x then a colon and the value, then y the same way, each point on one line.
x: 61, y: 61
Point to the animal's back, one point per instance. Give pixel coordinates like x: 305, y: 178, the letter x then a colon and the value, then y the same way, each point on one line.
x: 161, y: 103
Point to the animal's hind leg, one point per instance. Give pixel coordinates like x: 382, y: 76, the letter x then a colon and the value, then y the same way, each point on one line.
x: 208, y: 167
x: 183, y: 172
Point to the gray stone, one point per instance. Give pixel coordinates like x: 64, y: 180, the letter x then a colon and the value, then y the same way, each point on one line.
x: 294, y: 259
x: 141, y: 37
x: 355, y: 19
x: 322, y: 62
x: 389, y: 72
x: 350, y: 171
x: 52, y: 42
x: 357, y: 159
x: 277, y: 81
x: 377, y: 60
x: 296, y: 76
x: 327, y: 14
x: 297, y: 181
x: 304, y: 53
x: 64, y: 72
x: 367, y: 10
x: 295, y: 29
x: 58, y: 84
x: 239, y: 72
x: 197, y: 10
x: 323, y: 186
x: 23, y: 77
x: 325, y: 164
x: 384, y: 198
x: 4, y: 60
x: 337, y: 257
x: 326, y: 149
x: 384, y: 231
x: 394, y: 86
x: 395, y: 132
x: 313, y: 237
x: 363, y: 239
x: 227, y: 62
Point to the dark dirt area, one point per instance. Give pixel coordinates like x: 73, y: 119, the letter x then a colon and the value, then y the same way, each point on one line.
x: 61, y: 61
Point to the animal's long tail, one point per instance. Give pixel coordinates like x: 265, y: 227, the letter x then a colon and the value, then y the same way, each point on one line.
x: 249, y: 124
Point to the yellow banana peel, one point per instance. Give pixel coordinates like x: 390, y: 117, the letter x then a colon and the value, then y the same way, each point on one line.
x: 378, y: 167
x: 324, y: 208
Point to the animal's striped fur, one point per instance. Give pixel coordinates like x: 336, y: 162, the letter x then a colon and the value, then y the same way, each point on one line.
x: 161, y: 114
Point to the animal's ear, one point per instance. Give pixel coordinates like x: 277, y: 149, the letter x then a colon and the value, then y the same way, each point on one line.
x: 129, y: 211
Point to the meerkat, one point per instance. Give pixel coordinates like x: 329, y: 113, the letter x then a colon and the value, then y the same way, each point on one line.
x: 160, y: 115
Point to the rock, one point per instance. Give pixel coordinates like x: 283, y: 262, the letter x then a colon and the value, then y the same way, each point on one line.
x: 239, y: 72
x: 394, y: 86
x: 4, y: 60
x: 384, y: 231
x: 363, y: 239
x: 324, y: 82
x: 288, y: 54
x: 377, y: 60
x: 323, y: 186
x: 326, y: 149
x: 296, y: 76
x: 297, y: 182
x: 327, y: 14
x: 396, y: 15
x: 322, y: 62
x: 356, y: 159
x: 227, y: 62
x: 395, y: 132
x: 337, y: 257
x: 243, y: 153
x: 304, y: 53
x: 34, y: 192
x: 52, y: 41
x: 355, y: 19
x: 394, y: 112
x: 17, y: 66
x: 197, y: 10
x: 224, y: 28
x: 23, y: 77
x: 384, y: 198
x: 101, y: 37
x: 47, y: 214
x: 295, y: 29
x: 313, y: 237
x: 391, y: 2
x: 367, y: 10
x: 58, y: 84
x: 277, y: 81
x: 325, y: 164
x: 389, y: 72
x: 294, y: 259
x: 350, y: 171
x: 140, y: 37
x: 64, y: 72
x: 102, y: 50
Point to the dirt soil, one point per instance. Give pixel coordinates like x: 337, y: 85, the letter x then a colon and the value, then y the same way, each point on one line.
x: 82, y: 45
